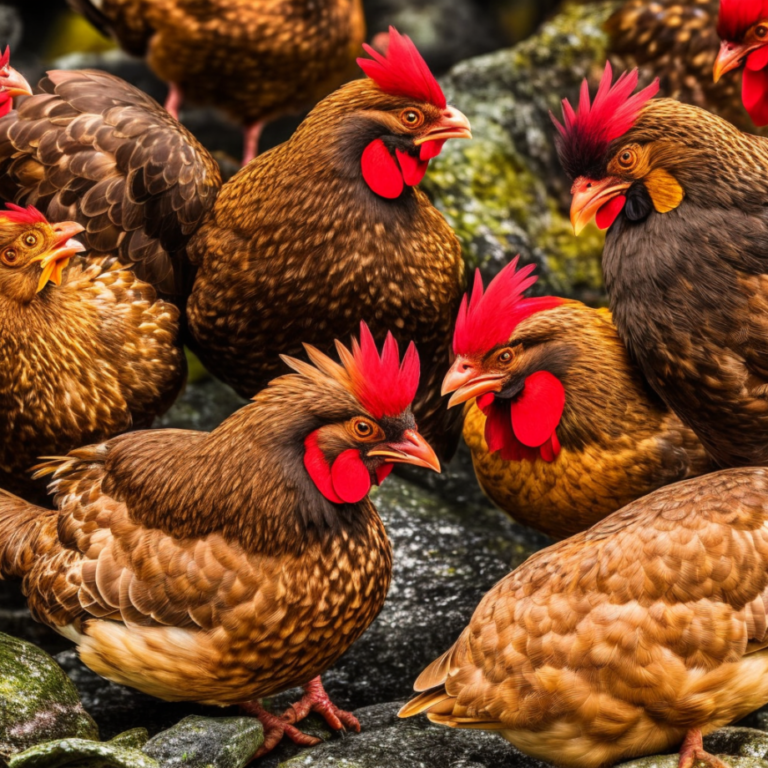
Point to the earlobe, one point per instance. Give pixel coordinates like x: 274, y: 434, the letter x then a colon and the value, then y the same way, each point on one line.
x: 351, y: 478
x: 381, y: 172
x: 666, y: 194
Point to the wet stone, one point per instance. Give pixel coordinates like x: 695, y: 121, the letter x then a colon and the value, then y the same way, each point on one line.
x: 37, y: 700
x: 207, y: 742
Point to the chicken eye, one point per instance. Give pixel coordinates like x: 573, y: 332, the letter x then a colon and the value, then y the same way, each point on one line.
x: 505, y: 356
x: 761, y: 31
x: 627, y: 158
x: 9, y: 256
x: 363, y: 429
x: 411, y: 117
x: 30, y: 239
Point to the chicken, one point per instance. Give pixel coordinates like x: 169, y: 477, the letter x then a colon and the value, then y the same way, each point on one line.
x: 682, y: 193
x: 330, y: 228
x: 227, y: 566
x: 89, y: 147
x: 634, y: 637
x: 255, y: 59
x: 313, y: 236
x: 12, y: 84
x: 564, y: 430
x: 676, y: 41
x: 87, y: 351
x: 743, y: 28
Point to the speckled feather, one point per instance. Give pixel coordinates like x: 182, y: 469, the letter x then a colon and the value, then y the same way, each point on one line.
x: 172, y: 586
x: 614, y: 643
x: 256, y: 59
x: 306, y: 262
x: 619, y: 441
x: 678, y: 43
x: 82, y: 362
x: 689, y: 288
x: 93, y: 149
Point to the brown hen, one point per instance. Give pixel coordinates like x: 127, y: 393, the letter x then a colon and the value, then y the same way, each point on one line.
x: 562, y: 426
x: 632, y: 638
x: 228, y: 566
x: 86, y: 352
x: 255, y: 59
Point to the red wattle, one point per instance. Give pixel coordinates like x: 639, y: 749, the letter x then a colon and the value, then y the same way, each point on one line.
x: 351, y: 478
x: 539, y: 408
x: 318, y: 469
x: 484, y: 402
x: 608, y: 213
x: 412, y: 168
x: 6, y: 104
x: 754, y: 92
x: 381, y: 172
x: 382, y: 473
x: 498, y: 427
x: 431, y: 149
x: 757, y: 59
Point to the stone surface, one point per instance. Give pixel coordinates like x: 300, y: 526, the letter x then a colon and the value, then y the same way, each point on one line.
x: 206, y: 742
x: 122, y: 752
x: 504, y: 192
x: 37, y: 700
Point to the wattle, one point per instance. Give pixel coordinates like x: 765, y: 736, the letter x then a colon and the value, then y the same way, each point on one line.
x: 608, y: 213
x: 754, y: 87
x: 387, y: 176
x: 526, y: 427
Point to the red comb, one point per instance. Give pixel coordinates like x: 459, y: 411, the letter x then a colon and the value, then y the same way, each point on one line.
x: 20, y: 215
x: 6, y: 57
x: 585, y: 137
x: 488, y: 319
x: 737, y: 16
x: 382, y: 385
x: 403, y: 71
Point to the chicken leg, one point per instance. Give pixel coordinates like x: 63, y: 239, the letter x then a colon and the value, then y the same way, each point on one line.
x: 693, y: 750
x: 315, y: 699
x: 275, y: 727
x: 173, y: 100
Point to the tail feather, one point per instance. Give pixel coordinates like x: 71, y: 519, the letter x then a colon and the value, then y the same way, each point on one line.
x: 21, y: 524
x: 426, y: 700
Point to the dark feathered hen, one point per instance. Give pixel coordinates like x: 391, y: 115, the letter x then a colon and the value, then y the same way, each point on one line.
x: 255, y: 59
x: 330, y: 228
x: 87, y: 351
x: 226, y: 566
x: 683, y: 193
x: 89, y: 147
x: 562, y: 426
x: 632, y: 638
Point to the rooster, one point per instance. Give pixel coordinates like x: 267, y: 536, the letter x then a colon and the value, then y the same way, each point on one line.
x: 743, y: 28
x: 320, y: 232
x: 255, y: 577
x: 681, y: 193
x: 635, y: 637
x: 564, y: 430
x: 255, y: 59
x: 87, y: 350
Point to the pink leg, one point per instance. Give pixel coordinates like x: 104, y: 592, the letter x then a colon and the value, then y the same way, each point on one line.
x: 173, y: 100
x: 693, y: 750
x: 315, y: 699
x: 251, y: 136
x: 275, y: 728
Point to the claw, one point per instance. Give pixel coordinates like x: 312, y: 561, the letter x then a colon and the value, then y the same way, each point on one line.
x: 693, y: 750
x: 315, y: 699
x: 275, y: 728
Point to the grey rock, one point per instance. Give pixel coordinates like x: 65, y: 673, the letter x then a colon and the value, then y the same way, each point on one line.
x: 37, y: 700
x: 207, y: 742
x: 389, y: 742
x: 504, y: 192
x: 121, y: 752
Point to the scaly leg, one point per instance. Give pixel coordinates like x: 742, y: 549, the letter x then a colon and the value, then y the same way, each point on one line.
x: 693, y: 750
x: 173, y: 100
x: 251, y: 136
x: 315, y: 699
x: 275, y: 728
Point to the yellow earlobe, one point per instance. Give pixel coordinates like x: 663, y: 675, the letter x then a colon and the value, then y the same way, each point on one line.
x: 664, y: 190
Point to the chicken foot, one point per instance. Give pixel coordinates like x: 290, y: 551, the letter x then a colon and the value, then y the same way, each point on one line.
x: 693, y: 750
x: 315, y: 699
x: 275, y: 728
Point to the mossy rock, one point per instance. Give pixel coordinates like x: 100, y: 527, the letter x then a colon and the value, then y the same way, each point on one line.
x: 121, y: 752
x: 504, y: 192
x: 38, y: 702
x: 207, y: 742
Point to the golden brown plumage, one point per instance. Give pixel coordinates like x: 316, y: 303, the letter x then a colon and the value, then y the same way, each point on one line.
x: 216, y: 567
x: 255, y: 59
x: 81, y: 361
x: 617, y: 440
x: 618, y: 642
